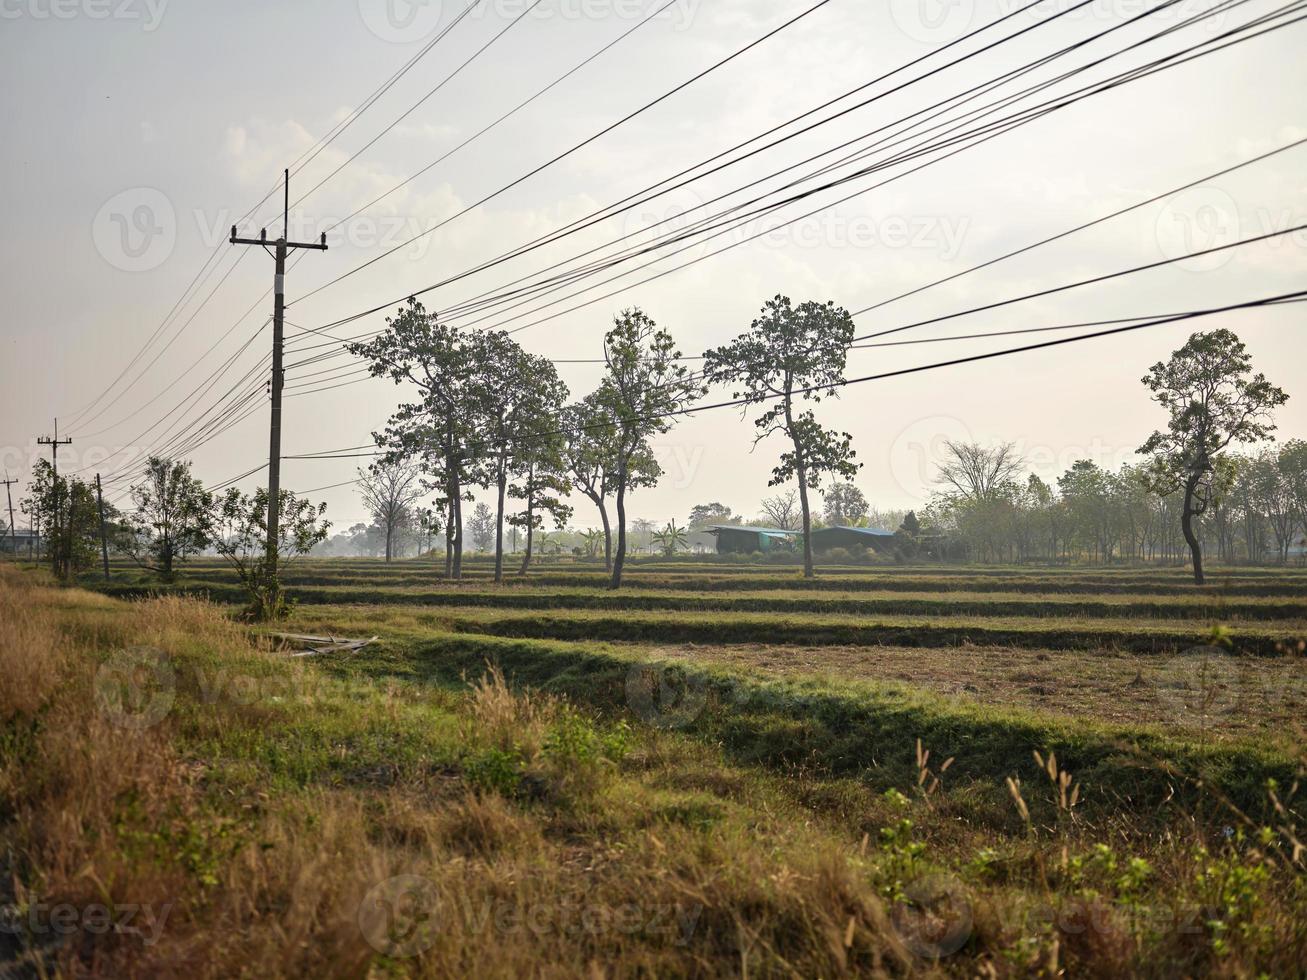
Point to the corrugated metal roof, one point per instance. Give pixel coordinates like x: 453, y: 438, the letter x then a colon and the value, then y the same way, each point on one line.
x: 752, y: 530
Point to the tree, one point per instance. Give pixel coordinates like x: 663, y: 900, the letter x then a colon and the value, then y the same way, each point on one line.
x: 542, y: 486
x: 389, y: 489
x: 171, y: 520
x: 782, y: 510
x: 1089, y: 494
x: 517, y: 406
x: 706, y: 515
x: 1293, y: 467
x: 482, y: 527
x: 67, y: 508
x: 239, y: 524
x: 591, y: 540
x: 790, y: 353
x: 1212, y: 403
x: 670, y: 538
x: 644, y: 384
x: 536, y: 459
x: 434, y: 357
x: 845, y: 505
x: 643, y: 530
x: 589, y: 451
x: 977, y: 473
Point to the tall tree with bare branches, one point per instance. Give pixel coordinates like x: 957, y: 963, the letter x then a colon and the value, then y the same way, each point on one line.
x: 976, y: 473
x: 389, y: 489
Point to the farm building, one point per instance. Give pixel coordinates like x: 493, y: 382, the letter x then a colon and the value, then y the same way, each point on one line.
x: 826, y: 538
x: 732, y: 539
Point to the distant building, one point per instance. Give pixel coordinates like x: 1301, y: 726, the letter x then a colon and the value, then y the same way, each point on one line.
x: 26, y: 540
x: 733, y: 539
x: 849, y: 538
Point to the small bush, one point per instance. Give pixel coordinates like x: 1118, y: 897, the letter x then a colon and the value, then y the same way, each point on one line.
x: 494, y: 770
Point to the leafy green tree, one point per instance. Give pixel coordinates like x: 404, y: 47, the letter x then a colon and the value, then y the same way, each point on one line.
x: 67, y: 509
x: 845, y: 505
x: 644, y: 384
x: 518, y: 403
x: 171, y: 519
x: 482, y: 528
x: 1292, y: 462
x: 541, y: 488
x: 437, y: 428
x: 590, y: 452
x: 787, y: 355
x: 1212, y: 402
x: 706, y: 515
x: 239, y: 523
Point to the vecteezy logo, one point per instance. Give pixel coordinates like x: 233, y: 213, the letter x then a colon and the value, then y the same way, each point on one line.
x: 398, y: 916
x: 934, y: 918
x: 932, y: 21
x: 665, y: 695
x: 1196, y: 220
x: 1206, y: 684
x: 135, y: 231
x: 401, y: 21
x: 134, y: 688
x: 918, y: 449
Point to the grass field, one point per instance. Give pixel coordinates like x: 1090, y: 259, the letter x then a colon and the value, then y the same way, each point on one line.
x: 723, y: 769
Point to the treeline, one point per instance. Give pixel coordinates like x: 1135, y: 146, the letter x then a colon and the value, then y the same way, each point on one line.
x: 489, y: 415
x: 1256, y: 511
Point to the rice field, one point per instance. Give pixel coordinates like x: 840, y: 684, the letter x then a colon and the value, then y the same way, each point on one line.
x: 720, y: 770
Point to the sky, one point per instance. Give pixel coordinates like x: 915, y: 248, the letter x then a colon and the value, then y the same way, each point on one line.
x: 139, y: 131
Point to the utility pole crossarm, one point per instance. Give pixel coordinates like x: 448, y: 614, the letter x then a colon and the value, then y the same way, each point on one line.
x: 264, y: 240
x: 54, y: 442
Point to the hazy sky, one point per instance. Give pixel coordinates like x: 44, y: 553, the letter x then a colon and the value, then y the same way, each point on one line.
x: 137, y: 132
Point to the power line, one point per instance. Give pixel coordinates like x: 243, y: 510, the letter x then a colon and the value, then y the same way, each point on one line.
x: 568, y: 152
x: 302, y: 161
x: 916, y: 369
x: 1134, y: 75
x: 521, y: 105
x: 556, y: 282
x: 413, y: 108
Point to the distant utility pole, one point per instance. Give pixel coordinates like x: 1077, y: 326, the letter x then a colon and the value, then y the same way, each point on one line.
x: 104, y: 540
x: 282, y: 246
x: 13, y: 533
x: 54, y: 442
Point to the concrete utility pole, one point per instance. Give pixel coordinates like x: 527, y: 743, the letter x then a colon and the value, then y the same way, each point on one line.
x: 54, y: 442
x: 104, y: 541
x: 13, y: 532
x: 282, y: 246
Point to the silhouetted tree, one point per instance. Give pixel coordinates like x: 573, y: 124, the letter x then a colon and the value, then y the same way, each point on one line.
x: 790, y: 354
x: 644, y: 384
x: 1212, y: 403
x: 171, y: 520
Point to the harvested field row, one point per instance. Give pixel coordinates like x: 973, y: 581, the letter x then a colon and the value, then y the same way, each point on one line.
x: 402, y: 576
x: 849, y: 727
x: 826, y: 630
x: 1198, y: 607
